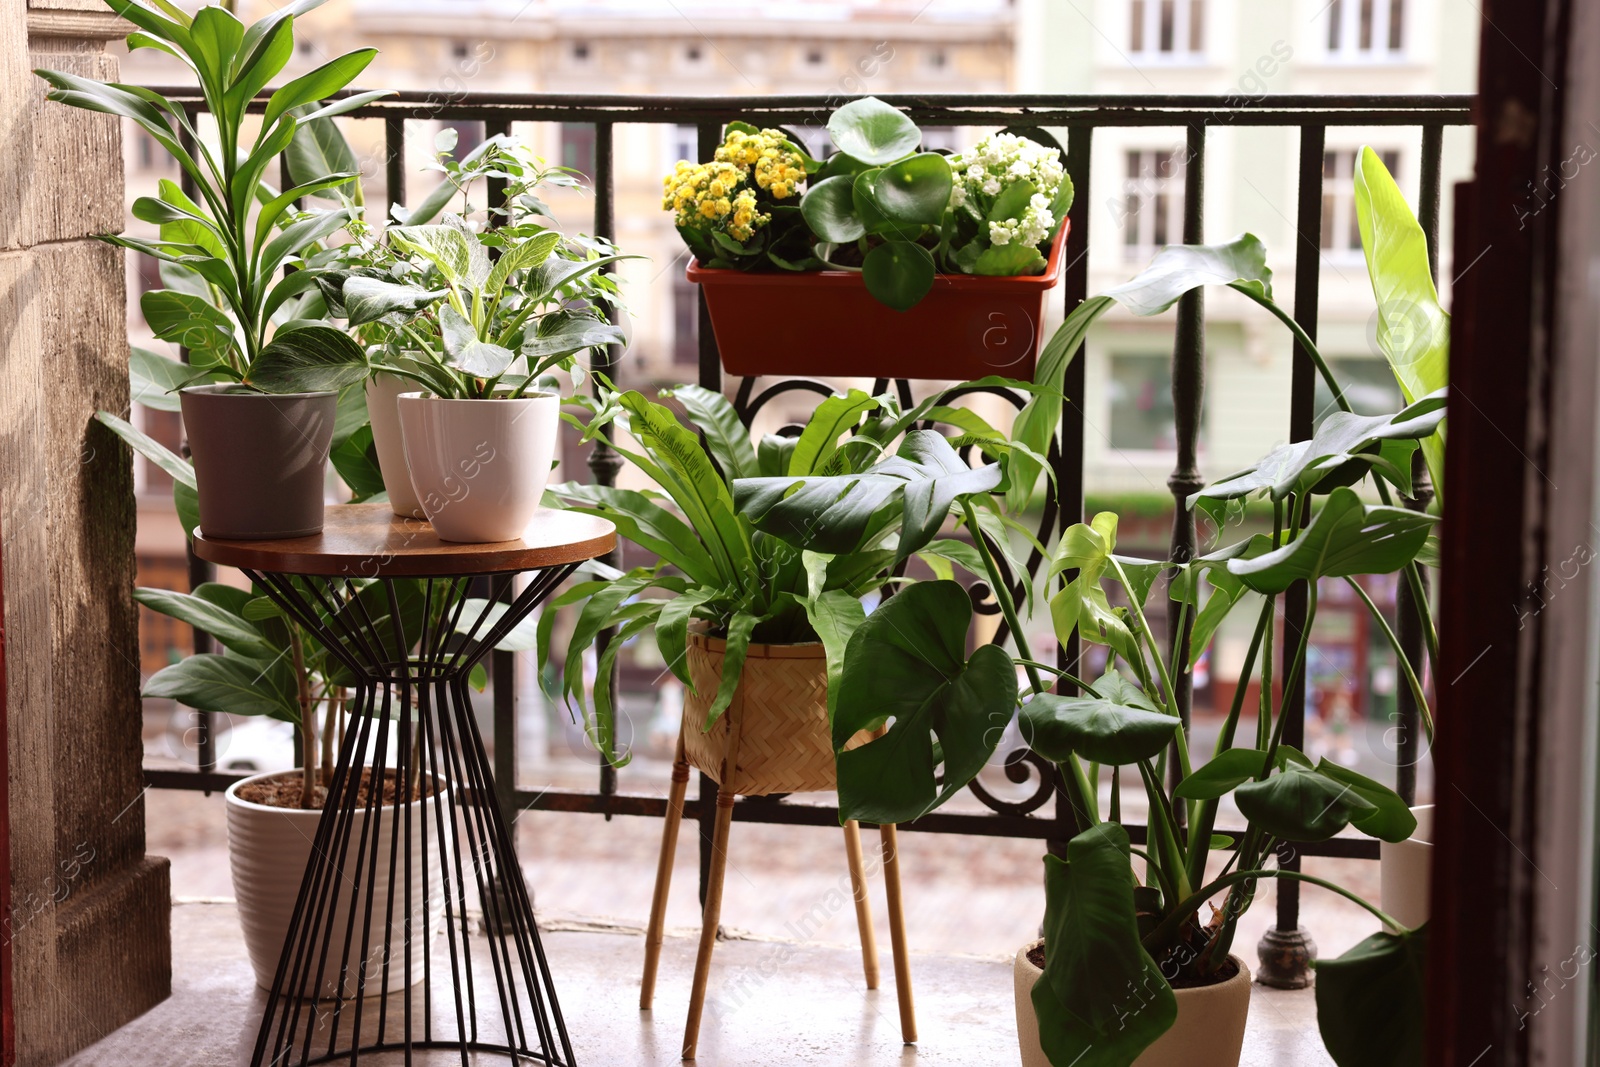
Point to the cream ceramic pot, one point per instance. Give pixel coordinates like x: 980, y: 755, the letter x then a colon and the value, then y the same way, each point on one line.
x: 479, y: 467
x: 1405, y: 868
x: 268, y: 848
x: 382, y: 389
x: 1209, y: 1030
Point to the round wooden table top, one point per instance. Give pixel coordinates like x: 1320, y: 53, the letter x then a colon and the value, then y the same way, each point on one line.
x: 371, y: 541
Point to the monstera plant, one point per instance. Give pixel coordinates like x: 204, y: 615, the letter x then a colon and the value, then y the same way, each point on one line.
x: 1125, y: 934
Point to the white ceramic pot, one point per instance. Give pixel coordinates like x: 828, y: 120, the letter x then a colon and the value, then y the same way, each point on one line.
x: 1406, y: 869
x: 382, y: 389
x: 268, y: 849
x: 1209, y: 1030
x: 479, y: 466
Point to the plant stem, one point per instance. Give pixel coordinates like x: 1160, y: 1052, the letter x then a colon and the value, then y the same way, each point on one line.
x: 1412, y: 680
x: 308, y: 722
x: 1002, y: 594
x: 1176, y: 917
x: 1059, y: 673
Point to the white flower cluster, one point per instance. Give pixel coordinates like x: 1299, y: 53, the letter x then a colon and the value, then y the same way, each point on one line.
x: 994, y: 163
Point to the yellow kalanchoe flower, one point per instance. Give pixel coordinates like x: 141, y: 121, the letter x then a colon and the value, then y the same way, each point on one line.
x: 718, y: 196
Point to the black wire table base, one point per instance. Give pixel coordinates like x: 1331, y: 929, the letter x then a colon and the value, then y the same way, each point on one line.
x: 359, y: 971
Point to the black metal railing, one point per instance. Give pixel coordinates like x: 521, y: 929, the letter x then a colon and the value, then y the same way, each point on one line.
x: 1080, y: 116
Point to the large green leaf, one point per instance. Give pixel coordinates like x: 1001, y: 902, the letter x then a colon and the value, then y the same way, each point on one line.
x: 841, y: 513
x: 646, y: 523
x: 1299, y: 804
x: 521, y: 255
x: 318, y: 84
x: 873, y: 131
x: 155, y: 379
x: 898, y: 273
x: 836, y: 616
x: 1221, y: 774
x: 829, y: 209
x: 1101, y: 1000
x: 1118, y: 727
x: 227, y: 627
x: 1392, y: 821
x: 180, y: 469
x: 307, y: 360
x: 442, y: 245
x: 319, y: 151
x: 1345, y: 538
x: 565, y: 337
x: 190, y: 321
x: 726, y: 436
x: 1413, y: 329
x: 915, y: 190
x: 356, y: 460
x: 228, y: 685
x: 906, y: 664
x: 465, y: 351
x: 1370, y: 1001
x: 836, y: 416
x: 370, y: 299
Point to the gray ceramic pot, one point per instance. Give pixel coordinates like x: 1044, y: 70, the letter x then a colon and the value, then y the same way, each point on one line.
x: 260, y: 459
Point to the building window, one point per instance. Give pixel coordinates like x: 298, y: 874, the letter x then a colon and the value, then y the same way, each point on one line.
x: 1142, y: 414
x: 577, y: 147
x: 580, y: 52
x: 1167, y: 29
x: 1152, y: 202
x: 149, y: 270
x: 1341, y: 229
x: 940, y: 138
x: 693, y: 54
x: 305, y: 47
x: 685, y: 321
x: 937, y: 59
x: 814, y: 57
x: 1368, y: 385
x: 1366, y: 29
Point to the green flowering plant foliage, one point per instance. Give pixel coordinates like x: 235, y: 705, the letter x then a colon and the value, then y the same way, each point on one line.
x: 479, y: 304
x: 880, y: 205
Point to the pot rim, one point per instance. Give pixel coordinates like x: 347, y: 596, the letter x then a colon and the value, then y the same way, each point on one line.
x: 698, y: 634
x: 238, y: 390
x: 1242, y: 974
x: 231, y: 795
x: 433, y: 398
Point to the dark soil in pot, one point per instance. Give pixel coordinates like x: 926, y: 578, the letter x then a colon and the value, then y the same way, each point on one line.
x: 1182, y: 981
x: 284, y: 790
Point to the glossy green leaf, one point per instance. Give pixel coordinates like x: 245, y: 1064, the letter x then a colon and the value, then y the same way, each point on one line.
x: 915, y: 190
x: 356, y: 460
x: 318, y: 84
x: 644, y: 522
x: 1119, y: 727
x: 190, y: 321
x: 1345, y: 538
x: 228, y: 685
x: 835, y: 615
x: 566, y: 337
x: 906, y: 665
x: 319, y: 151
x: 1392, y: 821
x: 1299, y: 804
x: 1101, y: 999
x: 1371, y: 1001
x: 465, y: 352
x: 831, y: 420
x: 307, y: 360
x: 726, y: 436
x: 1413, y: 329
x: 180, y: 469
x: 873, y: 131
x: 231, y: 631
x: 442, y: 245
x: 522, y: 255
x: 1221, y: 774
x: 1009, y: 260
x: 370, y: 299
x: 829, y: 210
x: 898, y: 274
x: 155, y: 379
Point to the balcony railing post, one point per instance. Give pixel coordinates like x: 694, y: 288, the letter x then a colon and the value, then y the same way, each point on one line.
x: 604, y: 463
x: 1287, y: 950
x: 1188, y: 402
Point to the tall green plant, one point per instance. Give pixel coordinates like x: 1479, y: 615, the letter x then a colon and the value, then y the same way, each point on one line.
x: 233, y: 244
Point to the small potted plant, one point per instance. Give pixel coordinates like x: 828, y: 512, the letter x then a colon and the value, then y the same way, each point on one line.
x: 478, y: 320
x: 259, y: 405
x: 931, y: 266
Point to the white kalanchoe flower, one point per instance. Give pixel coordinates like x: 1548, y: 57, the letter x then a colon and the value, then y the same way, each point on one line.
x: 996, y: 162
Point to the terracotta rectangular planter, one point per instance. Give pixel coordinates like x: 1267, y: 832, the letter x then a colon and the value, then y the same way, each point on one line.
x: 826, y: 323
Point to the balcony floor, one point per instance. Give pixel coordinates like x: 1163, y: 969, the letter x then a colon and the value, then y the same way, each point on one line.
x: 812, y: 1011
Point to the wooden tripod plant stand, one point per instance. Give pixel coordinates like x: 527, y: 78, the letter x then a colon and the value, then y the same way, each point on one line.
x: 774, y: 738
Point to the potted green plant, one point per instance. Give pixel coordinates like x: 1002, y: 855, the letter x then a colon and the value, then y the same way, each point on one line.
x: 479, y: 320
x: 259, y: 407
x: 932, y: 266
x: 1130, y: 971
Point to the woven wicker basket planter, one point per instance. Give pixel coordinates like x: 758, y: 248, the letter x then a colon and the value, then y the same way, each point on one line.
x: 774, y: 737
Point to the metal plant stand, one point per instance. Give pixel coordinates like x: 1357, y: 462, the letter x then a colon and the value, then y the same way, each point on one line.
x: 355, y: 588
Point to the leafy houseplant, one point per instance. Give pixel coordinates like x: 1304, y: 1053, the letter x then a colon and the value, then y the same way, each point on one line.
x: 473, y: 317
x: 261, y: 424
x: 1123, y: 924
x: 880, y: 227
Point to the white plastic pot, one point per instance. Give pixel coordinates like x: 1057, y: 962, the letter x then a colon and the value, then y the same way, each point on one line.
x: 1405, y: 868
x: 1209, y: 1030
x: 382, y: 389
x: 268, y: 849
x: 479, y: 467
